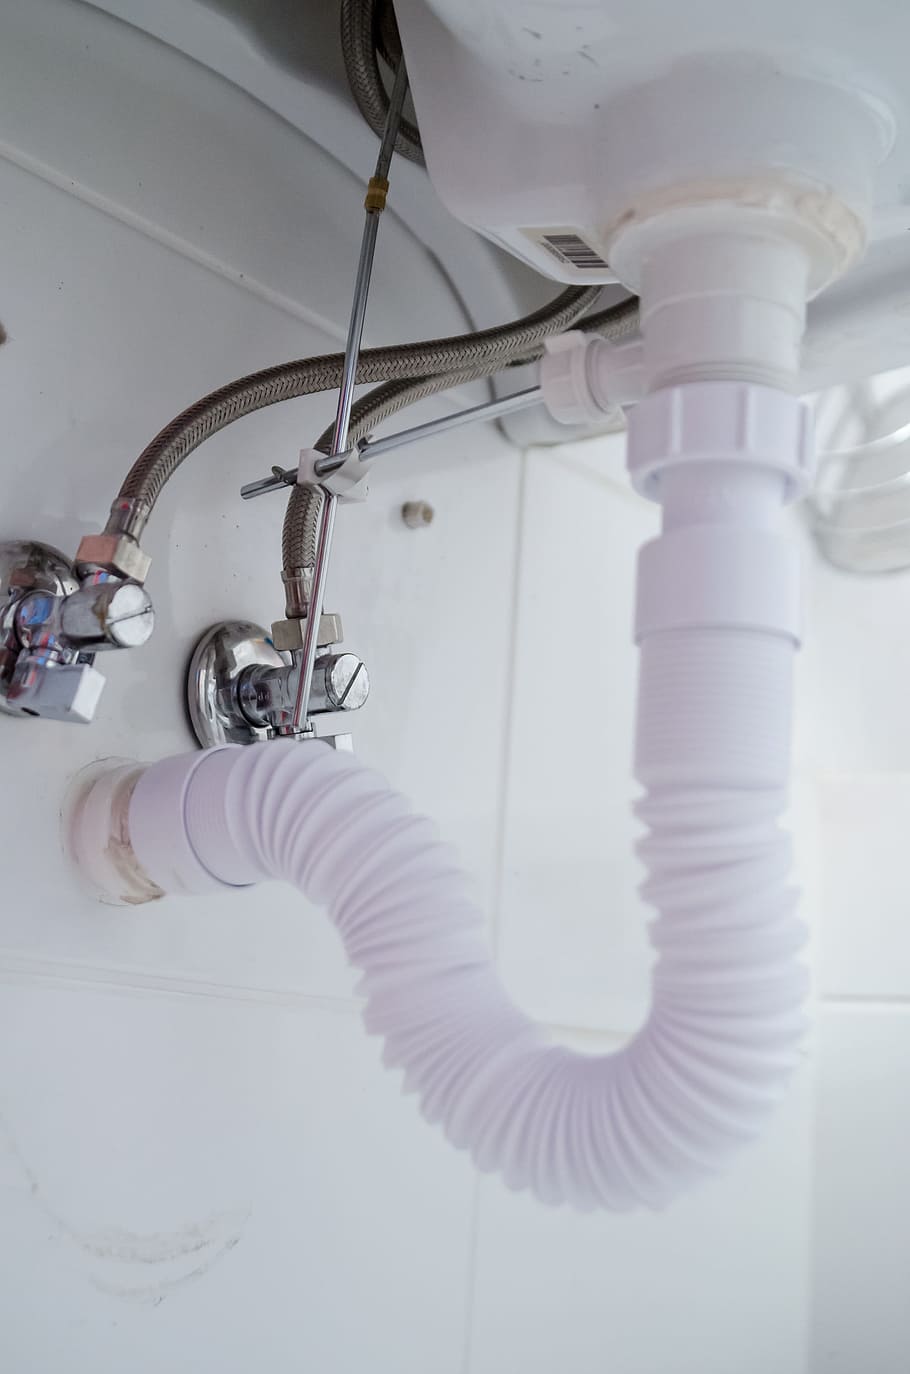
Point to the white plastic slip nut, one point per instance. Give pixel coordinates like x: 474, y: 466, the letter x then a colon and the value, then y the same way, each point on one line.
x: 727, y: 422
x: 564, y: 380
x: 586, y: 379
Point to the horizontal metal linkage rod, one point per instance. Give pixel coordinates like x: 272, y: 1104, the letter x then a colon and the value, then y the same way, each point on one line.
x: 374, y: 448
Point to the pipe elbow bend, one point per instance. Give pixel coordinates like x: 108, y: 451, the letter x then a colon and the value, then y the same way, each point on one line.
x: 617, y: 1131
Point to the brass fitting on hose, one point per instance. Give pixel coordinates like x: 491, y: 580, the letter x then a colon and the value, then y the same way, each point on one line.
x: 377, y: 192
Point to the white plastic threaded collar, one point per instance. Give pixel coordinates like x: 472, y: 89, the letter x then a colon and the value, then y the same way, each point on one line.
x: 721, y: 422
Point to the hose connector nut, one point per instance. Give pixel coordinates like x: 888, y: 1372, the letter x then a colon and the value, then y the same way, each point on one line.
x: 287, y: 635
x: 117, y: 554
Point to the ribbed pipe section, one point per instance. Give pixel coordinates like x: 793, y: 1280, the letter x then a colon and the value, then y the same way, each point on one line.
x: 714, y: 707
x: 617, y: 1131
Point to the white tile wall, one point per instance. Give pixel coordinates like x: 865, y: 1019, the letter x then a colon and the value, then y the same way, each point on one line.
x: 861, y: 1313
x: 718, y: 1283
x: 203, y: 1183
x: 864, y: 945
x: 858, y: 747
x: 858, y: 664
x: 572, y: 939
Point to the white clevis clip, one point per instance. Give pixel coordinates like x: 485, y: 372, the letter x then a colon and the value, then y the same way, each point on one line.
x: 349, y: 481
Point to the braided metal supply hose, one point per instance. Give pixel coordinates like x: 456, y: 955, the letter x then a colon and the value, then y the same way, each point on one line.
x: 368, y: 27
x: 618, y: 322
x: 408, y: 372
x: 300, y: 521
x: 492, y: 348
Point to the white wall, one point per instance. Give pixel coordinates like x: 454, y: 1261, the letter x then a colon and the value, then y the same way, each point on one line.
x: 203, y: 1164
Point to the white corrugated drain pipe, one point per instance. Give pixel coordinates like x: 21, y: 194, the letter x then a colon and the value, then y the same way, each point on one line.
x: 717, y: 623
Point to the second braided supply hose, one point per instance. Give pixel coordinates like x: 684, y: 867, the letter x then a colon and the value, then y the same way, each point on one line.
x: 717, y: 629
x: 487, y: 350
x: 368, y: 29
x: 298, y: 550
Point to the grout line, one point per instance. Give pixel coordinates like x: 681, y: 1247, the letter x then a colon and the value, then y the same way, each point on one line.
x: 167, y: 239
x: 39, y: 971
x: 612, y: 480
x: 894, y: 1001
x: 508, y: 708
x: 467, y: 1358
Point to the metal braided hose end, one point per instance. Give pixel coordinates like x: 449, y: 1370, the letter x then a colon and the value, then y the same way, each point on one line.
x: 298, y: 545
x: 386, y: 37
x: 365, y: 26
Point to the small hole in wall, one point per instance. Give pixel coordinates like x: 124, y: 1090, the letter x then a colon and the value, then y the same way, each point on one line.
x: 3, y: 335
